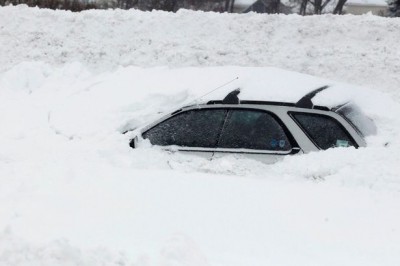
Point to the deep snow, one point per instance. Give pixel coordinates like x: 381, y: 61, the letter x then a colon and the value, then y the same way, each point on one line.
x: 73, y: 192
x: 360, y: 50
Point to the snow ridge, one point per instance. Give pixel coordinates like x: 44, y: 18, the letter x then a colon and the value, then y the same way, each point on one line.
x: 327, y: 46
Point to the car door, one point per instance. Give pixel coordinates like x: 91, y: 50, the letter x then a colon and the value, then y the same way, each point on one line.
x: 193, y: 131
x: 256, y: 134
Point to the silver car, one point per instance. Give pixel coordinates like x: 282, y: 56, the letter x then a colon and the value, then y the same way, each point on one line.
x: 262, y: 130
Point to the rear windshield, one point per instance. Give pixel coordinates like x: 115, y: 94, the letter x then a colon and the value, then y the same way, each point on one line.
x: 353, y: 114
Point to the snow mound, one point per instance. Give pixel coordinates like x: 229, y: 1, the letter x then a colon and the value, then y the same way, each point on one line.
x: 361, y: 50
x: 74, y: 193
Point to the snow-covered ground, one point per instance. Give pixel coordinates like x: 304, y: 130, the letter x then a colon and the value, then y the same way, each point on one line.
x: 73, y: 192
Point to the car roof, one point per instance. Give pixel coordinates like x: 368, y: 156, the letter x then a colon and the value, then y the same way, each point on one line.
x: 270, y: 85
x: 317, y: 107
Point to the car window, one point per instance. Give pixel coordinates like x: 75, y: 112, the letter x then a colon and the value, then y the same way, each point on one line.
x: 323, y: 130
x: 353, y: 114
x: 195, y: 128
x: 251, y: 129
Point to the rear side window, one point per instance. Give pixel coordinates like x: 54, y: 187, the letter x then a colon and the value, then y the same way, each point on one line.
x: 251, y: 129
x: 195, y: 128
x: 323, y: 130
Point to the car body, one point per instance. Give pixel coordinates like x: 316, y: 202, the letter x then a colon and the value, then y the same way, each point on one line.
x: 258, y: 129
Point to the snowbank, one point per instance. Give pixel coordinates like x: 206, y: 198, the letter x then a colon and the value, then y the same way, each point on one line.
x: 71, y: 185
x: 73, y: 192
x: 361, y: 50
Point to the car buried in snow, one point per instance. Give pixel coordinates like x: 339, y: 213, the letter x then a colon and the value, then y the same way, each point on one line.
x: 262, y: 130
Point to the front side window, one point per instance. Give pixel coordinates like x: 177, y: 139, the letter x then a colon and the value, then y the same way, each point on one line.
x: 323, y: 130
x: 251, y: 129
x: 195, y: 128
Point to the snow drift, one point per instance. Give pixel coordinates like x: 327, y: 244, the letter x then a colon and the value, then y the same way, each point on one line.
x: 74, y: 193
x: 356, y: 49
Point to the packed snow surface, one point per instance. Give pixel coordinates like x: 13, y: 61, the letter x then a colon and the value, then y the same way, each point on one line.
x: 73, y: 192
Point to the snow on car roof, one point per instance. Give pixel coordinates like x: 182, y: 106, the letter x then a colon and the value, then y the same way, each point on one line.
x: 151, y: 92
x: 274, y: 84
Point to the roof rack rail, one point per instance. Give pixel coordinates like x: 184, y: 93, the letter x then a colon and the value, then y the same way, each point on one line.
x: 232, y: 97
x: 306, y: 100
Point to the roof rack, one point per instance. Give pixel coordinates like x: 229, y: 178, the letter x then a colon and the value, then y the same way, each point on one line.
x: 318, y: 107
x: 232, y: 97
x: 304, y: 102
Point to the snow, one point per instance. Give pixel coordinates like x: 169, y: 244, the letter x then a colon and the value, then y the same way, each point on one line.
x: 104, y: 40
x: 244, y: 3
x: 368, y: 2
x: 74, y: 193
